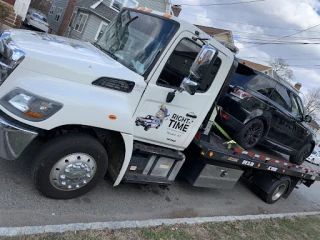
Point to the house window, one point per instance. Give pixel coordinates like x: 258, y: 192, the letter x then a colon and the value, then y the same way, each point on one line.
x: 58, y: 14
x: 118, y: 4
x: 101, y: 30
x: 72, y: 18
x: 81, y: 22
x: 52, y: 9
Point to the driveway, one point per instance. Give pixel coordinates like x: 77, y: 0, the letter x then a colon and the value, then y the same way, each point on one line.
x: 22, y: 205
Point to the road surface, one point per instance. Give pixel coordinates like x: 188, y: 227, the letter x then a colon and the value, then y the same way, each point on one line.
x: 22, y: 205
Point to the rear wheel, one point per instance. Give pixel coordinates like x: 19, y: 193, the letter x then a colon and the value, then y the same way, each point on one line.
x: 69, y: 166
x: 276, y: 191
x: 301, y: 155
x: 250, y: 134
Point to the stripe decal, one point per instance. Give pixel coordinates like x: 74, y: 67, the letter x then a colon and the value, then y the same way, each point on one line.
x: 236, y: 150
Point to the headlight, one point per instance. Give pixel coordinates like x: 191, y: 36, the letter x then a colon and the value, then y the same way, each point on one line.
x: 29, y: 106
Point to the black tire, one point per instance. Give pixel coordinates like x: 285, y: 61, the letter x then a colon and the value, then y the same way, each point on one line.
x: 250, y: 135
x: 58, y: 148
x: 301, y: 155
x: 146, y: 128
x: 269, y: 198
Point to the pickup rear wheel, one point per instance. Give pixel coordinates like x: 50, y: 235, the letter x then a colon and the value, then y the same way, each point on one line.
x: 301, y: 155
x: 276, y: 191
x: 250, y: 134
x: 69, y: 166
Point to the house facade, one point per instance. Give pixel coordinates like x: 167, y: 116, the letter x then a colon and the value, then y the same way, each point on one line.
x: 20, y: 8
x: 221, y: 35
x: 262, y: 68
x: 87, y: 19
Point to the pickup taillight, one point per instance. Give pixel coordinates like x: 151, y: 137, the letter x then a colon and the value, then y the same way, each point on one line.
x: 240, y: 93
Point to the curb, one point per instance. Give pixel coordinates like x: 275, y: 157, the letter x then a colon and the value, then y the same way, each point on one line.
x: 30, y: 230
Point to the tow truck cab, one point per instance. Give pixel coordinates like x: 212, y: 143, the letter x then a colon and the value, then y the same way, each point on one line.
x: 82, y: 100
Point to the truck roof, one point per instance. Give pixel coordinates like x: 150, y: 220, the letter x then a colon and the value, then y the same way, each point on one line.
x: 186, y: 26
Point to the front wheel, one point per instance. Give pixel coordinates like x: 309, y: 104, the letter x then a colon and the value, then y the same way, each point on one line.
x: 250, y: 134
x: 69, y: 166
x: 301, y: 155
x: 146, y: 128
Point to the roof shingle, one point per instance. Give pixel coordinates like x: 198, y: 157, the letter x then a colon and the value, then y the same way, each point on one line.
x: 254, y: 65
x: 212, y: 31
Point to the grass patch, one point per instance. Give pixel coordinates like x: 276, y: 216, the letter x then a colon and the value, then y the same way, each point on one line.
x: 282, y: 229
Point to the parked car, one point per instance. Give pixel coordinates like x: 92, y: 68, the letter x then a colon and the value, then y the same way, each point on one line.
x: 258, y: 109
x: 314, y: 158
x: 37, y: 21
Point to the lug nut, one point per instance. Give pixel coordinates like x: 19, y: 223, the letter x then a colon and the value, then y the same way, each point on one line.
x: 69, y: 186
x: 84, y: 181
x: 63, y: 183
x: 88, y: 175
x: 63, y: 176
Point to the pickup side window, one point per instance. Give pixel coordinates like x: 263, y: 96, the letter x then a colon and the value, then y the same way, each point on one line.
x: 281, y: 97
x: 296, y: 109
x: 179, y: 64
x: 262, y: 84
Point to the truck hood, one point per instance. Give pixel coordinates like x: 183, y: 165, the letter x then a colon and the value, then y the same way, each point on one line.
x: 68, y: 58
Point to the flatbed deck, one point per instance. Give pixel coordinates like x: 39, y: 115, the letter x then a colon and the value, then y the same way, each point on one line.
x: 258, y: 158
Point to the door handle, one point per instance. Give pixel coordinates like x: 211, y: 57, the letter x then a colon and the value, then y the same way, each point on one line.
x: 191, y: 115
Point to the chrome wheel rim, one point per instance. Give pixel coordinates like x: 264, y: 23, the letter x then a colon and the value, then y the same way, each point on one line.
x: 73, y: 171
x: 279, y: 191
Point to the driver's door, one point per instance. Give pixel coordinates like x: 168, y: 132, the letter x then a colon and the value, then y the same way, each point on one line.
x: 174, y: 123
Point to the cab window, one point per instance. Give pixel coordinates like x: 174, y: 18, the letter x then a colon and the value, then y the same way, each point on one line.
x: 179, y: 64
x: 295, y: 109
x: 262, y: 84
x: 281, y: 97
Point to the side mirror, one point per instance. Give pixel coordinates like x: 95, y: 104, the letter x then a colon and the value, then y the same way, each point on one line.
x: 307, y: 118
x: 202, y: 61
x: 189, y: 86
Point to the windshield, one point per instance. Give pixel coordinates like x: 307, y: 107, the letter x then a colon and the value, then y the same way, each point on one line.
x: 135, y: 39
x: 39, y: 17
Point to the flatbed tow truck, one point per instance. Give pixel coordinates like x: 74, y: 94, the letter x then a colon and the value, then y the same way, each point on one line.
x: 268, y: 171
x: 139, y: 104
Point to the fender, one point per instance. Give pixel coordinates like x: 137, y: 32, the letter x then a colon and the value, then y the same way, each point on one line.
x: 128, y: 142
x: 83, y: 104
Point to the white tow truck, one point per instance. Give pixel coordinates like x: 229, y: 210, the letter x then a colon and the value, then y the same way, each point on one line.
x: 138, y: 104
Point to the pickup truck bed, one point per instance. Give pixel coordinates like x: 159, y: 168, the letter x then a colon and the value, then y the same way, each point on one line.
x: 259, y: 158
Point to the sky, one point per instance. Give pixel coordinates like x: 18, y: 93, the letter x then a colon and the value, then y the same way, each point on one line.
x: 248, y: 21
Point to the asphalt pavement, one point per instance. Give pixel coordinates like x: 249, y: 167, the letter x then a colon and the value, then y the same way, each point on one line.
x: 22, y: 205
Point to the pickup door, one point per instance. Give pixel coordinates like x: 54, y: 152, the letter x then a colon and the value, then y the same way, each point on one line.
x: 174, y: 124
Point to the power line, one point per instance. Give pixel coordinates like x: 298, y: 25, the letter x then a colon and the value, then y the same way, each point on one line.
x: 218, y: 4
x: 287, y: 59
x: 277, y: 43
x: 248, y: 24
x: 304, y: 30
x: 266, y: 39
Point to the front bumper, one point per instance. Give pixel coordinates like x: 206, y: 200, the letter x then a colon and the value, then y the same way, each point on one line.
x: 13, y: 139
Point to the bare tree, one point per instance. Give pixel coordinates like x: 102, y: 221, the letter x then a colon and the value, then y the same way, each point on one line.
x: 282, y: 69
x: 41, y: 5
x: 312, y: 103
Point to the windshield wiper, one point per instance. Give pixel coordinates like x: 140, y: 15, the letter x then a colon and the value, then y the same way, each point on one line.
x: 105, y: 51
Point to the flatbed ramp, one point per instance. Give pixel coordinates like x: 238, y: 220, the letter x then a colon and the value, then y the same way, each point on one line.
x: 258, y: 158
